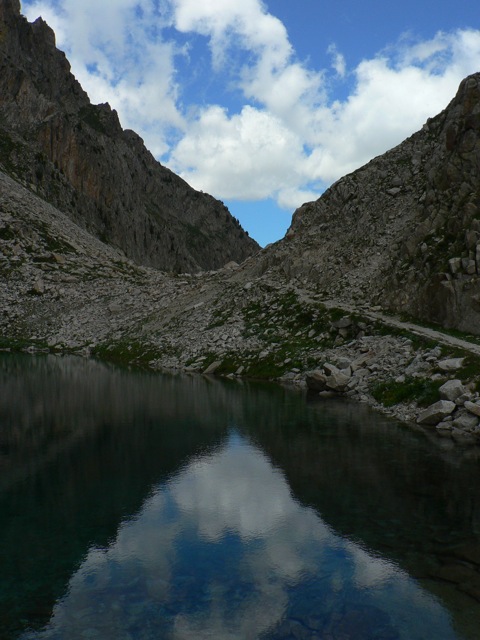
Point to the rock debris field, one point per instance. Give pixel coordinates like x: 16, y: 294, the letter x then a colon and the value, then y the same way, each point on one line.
x: 63, y: 291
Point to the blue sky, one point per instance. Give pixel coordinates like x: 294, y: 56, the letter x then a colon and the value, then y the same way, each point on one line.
x: 265, y: 104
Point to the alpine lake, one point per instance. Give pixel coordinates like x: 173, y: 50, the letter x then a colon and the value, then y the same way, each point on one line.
x: 142, y: 506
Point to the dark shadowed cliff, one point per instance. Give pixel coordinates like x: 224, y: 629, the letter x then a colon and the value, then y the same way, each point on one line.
x: 76, y: 156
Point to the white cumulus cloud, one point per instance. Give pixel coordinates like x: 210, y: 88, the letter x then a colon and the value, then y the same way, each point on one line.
x: 277, y: 131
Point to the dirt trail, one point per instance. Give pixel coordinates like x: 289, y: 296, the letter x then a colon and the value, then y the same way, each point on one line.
x: 392, y: 321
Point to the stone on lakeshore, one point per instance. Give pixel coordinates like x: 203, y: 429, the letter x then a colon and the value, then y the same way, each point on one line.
x: 472, y: 407
x: 466, y: 421
x: 452, y: 364
x: 436, y: 412
x: 316, y: 380
x: 330, y: 368
x: 337, y: 381
x: 444, y: 429
x: 213, y: 367
x: 451, y: 390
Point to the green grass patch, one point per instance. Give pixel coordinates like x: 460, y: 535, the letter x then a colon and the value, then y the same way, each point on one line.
x: 423, y: 391
x: 127, y: 353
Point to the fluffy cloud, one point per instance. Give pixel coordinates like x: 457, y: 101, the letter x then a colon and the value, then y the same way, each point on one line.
x: 275, y: 130
x: 245, y: 154
x: 245, y: 21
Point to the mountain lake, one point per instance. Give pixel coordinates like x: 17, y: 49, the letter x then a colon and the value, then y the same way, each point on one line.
x: 144, y: 506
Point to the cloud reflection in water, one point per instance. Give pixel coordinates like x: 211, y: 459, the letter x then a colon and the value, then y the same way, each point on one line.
x: 224, y: 551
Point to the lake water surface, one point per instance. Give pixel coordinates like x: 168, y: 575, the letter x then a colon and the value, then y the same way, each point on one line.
x: 136, y: 506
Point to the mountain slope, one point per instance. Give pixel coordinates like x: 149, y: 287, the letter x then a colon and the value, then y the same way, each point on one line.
x: 402, y: 232
x: 76, y: 156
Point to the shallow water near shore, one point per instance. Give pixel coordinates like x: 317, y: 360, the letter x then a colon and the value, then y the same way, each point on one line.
x: 145, y: 506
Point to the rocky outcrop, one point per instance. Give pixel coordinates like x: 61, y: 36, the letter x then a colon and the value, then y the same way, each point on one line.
x: 402, y: 232
x: 76, y: 156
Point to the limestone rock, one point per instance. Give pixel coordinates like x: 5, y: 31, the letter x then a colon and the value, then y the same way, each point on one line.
x: 436, y: 412
x: 451, y: 364
x: 213, y: 367
x: 451, y: 390
x: 337, y: 381
x: 330, y: 368
x: 465, y: 421
x: 316, y: 380
x: 472, y: 407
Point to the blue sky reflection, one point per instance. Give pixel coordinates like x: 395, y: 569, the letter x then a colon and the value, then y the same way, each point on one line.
x: 225, y: 551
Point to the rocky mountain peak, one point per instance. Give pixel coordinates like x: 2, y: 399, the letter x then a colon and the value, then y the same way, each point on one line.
x: 76, y: 156
x: 403, y: 231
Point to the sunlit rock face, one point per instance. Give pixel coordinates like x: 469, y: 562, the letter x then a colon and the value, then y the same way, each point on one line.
x: 77, y: 156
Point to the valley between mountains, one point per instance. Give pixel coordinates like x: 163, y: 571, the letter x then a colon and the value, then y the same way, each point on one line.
x: 374, y: 293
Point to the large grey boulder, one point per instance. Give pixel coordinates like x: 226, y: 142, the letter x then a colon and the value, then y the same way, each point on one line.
x: 452, y: 364
x: 472, y: 407
x: 213, y: 367
x: 338, y: 381
x: 451, y: 390
x: 436, y: 412
x: 465, y: 421
x: 316, y: 380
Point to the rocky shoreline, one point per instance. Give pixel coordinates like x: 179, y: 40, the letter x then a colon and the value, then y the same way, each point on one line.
x: 64, y: 292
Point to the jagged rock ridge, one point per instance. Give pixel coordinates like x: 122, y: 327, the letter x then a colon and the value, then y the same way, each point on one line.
x: 402, y: 232
x: 76, y: 156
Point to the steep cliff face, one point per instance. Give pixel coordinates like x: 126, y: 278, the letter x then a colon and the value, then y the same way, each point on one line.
x: 77, y: 156
x: 403, y: 231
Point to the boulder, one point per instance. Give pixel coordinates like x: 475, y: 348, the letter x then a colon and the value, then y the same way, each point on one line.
x: 451, y: 390
x: 338, y: 381
x: 472, y: 407
x: 452, y: 364
x: 465, y: 421
x: 213, y: 367
x: 330, y: 368
x: 436, y: 412
x: 316, y: 380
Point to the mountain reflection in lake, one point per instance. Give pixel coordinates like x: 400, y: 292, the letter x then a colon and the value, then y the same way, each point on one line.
x: 141, y: 507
